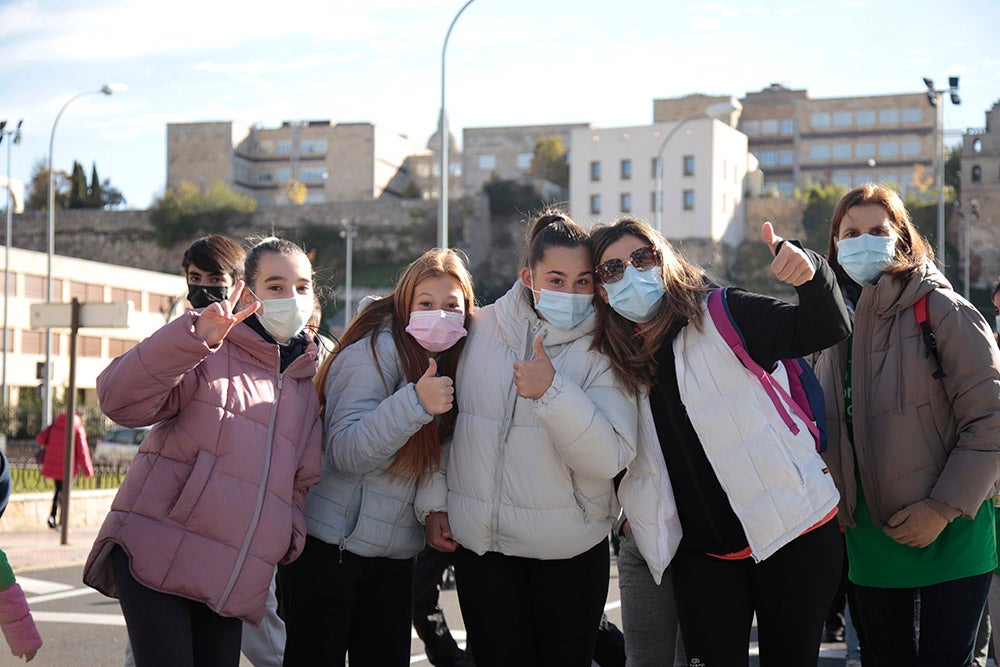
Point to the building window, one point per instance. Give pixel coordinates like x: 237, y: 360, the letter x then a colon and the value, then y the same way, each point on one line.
x: 888, y: 117
x: 315, y: 198
x: 786, y: 126
x: 768, y: 158
x: 751, y: 128
x: 595, y: 204
x: 265, y: 177
x: 32, y: 342
x: 912, y: 115
x: 626, y: 202
x: 34, y: 287
x: 160, y: 303
x: 842, y: 118
x: 117, y: 347
x: 786, y: 157
x: 89, y: 346
x: 487, y: 162
x: 865, y: 118
x: 283, y: 174
x: 283, y: 147
x: 523, y: 161
x: 911, y: 148
x: 312, y: 173
x: 595, y: 171
x: 688, y: 200
x: 821, y: 119
x: 626, y: 170
x: 841, y: 151
x: 86, y: 291
x: 819, y: 152
x: 977, y: 174
x: 688, y: 165
x: 769, y: 126
x: 888, y: 149
x: 842, y: 179
x: 864, y: 149
x: 313, y: 146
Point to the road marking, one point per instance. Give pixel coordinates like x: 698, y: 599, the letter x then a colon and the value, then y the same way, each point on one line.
x: 40, y: 586
x: 77, y: 618
x: 74, y: 593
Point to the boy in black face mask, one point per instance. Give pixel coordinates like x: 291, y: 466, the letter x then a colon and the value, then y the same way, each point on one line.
x: 212, y: 265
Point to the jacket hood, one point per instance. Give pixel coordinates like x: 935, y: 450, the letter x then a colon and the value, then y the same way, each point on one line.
x: 892, y: 296
x: 516, y: 317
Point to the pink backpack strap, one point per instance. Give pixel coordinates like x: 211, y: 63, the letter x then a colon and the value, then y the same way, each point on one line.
x: 723, y: 321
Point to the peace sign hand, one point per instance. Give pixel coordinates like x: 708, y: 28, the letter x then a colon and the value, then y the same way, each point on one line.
x: 791, y: 265
x: 216, y: 321
x: 533, y: 378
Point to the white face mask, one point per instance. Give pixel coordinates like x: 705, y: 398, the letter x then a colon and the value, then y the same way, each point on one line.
x: 285, y: 318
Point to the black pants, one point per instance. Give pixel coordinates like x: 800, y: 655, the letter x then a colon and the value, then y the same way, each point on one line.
x: 790, y: 592
x: 529, y: 612
x: 337, y: 603
x: 428, y: 618
x: 171, y: 631
x: 932, y: 626
x: 56, y: 500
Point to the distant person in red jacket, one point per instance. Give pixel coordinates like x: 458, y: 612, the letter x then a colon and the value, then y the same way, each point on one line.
x: 53, y: 439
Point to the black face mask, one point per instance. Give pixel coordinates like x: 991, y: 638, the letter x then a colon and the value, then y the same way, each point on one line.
x: 202, y: 296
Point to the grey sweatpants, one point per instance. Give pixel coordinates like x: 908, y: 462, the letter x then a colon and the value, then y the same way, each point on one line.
x: 649, y: 614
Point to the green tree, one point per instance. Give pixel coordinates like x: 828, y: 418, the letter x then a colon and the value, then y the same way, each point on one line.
x: 95, y: 195
x: 821, y: 199
x: 549, y: 161
x: 953, y: 170
x: 185, y: 211
x: 37, y: 197
x: 78, y: 187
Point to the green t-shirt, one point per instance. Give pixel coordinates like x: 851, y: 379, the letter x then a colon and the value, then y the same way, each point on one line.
x: 963, y: 549
x: 996, y: 506
x: 6, y: 574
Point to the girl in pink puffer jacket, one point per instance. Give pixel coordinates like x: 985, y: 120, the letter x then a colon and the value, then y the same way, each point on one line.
x: 15, y: 617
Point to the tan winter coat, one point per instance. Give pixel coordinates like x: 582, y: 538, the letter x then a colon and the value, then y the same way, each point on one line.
x: 915, y: 437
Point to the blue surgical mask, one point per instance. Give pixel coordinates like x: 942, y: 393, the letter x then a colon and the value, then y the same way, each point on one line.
x: 864, y: 257
x: 637, y: 295
x: 563, y: 310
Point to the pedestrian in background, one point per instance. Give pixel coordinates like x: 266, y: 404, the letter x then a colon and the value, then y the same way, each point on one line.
x: 387, y: 397
x: 53, y: 439
x: 754, y: 501
x: 214, y: 497
x: 543, y: 428
x: 913, y: 409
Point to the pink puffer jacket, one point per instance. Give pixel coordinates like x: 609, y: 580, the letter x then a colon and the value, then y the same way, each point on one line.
x: 214, y: 498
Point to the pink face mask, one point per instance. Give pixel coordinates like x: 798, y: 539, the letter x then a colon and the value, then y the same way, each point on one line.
x: 436, y: 330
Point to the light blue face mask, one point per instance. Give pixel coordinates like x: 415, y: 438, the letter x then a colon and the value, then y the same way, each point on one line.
x: 563, y: 310
x: 864, y: 257
x: 637, y: 296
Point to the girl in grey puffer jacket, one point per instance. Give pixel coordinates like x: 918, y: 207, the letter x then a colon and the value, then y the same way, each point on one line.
x: 387, y: 397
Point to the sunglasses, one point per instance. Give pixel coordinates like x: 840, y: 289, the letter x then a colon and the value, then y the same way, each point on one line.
x: 642, y: 259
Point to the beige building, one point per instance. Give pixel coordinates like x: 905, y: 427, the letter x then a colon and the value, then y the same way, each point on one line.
x: 152, y: 294
x: 505, y: 153
x: 300, y: 162
x: 843, y: 140
x: 706, y: 172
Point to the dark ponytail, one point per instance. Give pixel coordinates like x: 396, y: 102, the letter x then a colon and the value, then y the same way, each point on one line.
x: 552, y: 228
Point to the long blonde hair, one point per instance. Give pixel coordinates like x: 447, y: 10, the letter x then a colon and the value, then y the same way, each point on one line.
x: 633, y: 354
x: 422, y: 452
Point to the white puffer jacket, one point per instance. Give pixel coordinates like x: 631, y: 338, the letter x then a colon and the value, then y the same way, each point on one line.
x: 533, y: 478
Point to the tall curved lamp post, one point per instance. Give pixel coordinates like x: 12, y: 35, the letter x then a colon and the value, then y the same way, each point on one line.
x: 442, y: 237
x: 712, y: 111
x: 108, y: 89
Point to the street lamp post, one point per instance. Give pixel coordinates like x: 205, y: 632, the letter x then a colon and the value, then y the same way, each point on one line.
x: 936, y: 100
x: 13, y: 137
x: 108, y: 89
x: 349, y: 232
x: 442, y: 238
x: 713, y: 111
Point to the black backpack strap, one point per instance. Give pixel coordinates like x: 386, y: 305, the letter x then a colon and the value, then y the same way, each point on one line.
x: 930, y: 341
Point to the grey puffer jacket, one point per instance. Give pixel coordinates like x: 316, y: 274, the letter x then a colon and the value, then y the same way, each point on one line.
x: 369, y: 417
x: 915, y: 437
x: 533, y: 478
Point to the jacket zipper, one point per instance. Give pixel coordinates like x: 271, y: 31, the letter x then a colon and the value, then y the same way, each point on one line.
x: 504, y: 432
x: 261, y: 492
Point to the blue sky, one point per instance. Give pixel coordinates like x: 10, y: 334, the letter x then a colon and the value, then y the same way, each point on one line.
x: 510, y: 62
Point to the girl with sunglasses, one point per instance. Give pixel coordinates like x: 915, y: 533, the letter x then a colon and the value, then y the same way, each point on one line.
x: 756, y: 515
x: 543, y: 428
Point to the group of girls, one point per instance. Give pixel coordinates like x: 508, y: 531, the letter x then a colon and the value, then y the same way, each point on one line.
x: 503, y: 429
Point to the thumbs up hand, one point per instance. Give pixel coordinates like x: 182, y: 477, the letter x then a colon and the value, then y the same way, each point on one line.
x: 533, y: 378
x: 436, y: 394
x: 791, y: 264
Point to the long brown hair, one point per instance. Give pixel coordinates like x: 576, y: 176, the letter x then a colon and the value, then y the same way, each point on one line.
x: 422, y: 452
x: 633, y: 355
x: 912, y: 249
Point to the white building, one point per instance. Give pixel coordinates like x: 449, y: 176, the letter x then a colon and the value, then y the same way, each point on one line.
x: 705, y: 175
x: 153, y: 296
